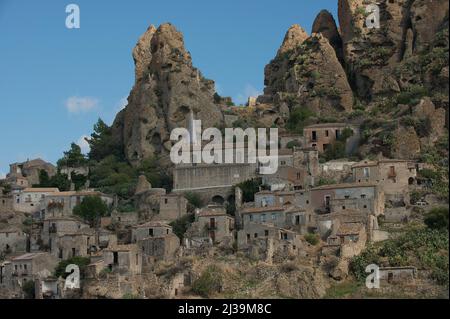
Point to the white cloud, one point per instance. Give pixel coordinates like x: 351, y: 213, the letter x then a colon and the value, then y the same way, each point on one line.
x: 83, y: 144
x: 249, y: 90
x: 81, y: 104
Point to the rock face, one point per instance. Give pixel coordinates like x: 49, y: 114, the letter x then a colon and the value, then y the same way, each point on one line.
x: 326, y: 25
x: 307, y: 72
x: 294, y: 37
x: 167, y: 88
x: 373, y: 54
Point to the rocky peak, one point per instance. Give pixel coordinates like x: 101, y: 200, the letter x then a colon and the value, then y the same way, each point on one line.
x: 326, y: 25
x: 142, y: 53
x: 167, y: 89
x: 293, y: 38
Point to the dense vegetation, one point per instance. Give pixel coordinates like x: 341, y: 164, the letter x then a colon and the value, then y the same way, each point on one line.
x: 81, y: 262
x: 91, y: 209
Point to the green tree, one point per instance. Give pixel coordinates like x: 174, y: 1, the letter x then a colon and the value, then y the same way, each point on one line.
x: 437, y: 218
x: 181, y: 225
x: 194, y: 200
x: 102, y: 143
x: 91, y: 209
x: 249, y: 189
x: 73, y: 157
x: 29, y: 289
x: 298, y: 119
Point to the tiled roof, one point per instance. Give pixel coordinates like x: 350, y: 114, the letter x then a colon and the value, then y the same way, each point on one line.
x: 345, y: 185
x: 350, y: 229
x: 262, y: 209
x: 41, y: 190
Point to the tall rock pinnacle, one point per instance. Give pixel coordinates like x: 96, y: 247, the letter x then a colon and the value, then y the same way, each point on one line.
x: 167, y: 89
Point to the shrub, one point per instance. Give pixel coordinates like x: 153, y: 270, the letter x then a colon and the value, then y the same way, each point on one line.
x: 313, y: 239
x: 194, y: 200
x: 437, y: 218
x: 298, y: 119
x: 210, y: 281
x: 29, y: 289
x: 91, y: 209
x: 180, y: 225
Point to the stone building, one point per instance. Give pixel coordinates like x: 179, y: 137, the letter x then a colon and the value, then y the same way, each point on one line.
x: 29, y: 267
x: 12, y: 240
x: 30, y: 199
x: 172, y: 207
x: 265, y: 241
x: 81, y: 243
x: 123, y: 259
x: 214, y: 222
x: 6, y: 203
x: 322, y: 136
x: 54, y: 227
x: 393, y: 175
x: 367, y: 197
x: 29, y: 170
x: 269, y: 214
x: 397, y: 275
x: 160, y: 247
x: 61, y: 204
x: 147, y: 198
x: 150, y: 229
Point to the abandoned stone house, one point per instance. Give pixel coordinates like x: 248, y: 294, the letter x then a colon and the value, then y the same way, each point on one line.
x: 172, y: 207
x: 150, y: 229
x: 366, y: 197
x: 49, y: 288
x: 322, y: 136
x: 6, y: 203
x: 28, y: 267
x: 30, y: 170
x: 13, y: 240
x: 287, y: 178
x: 125, y: 218
x: 29, y: 200
x: 123, y: 259
x: 61, y: 204
x: 147, y: 198
x: 300, y: 198
x: 81, y: 243
x: 351, y: 237
x: 275, y: 215
x: 397, y: 275
x: 214, y: 222
x: 337, y: 170
x: 161, y: 247
x: 54, y: 227
x: 393, y: 175
x: 263, y: 240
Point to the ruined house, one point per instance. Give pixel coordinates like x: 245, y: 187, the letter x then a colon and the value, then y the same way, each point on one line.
x: 321, y: 136
x: 365, y: 197
x: 123, y: 259
x: 264, y: 241
x: 12, y: 240
x: 214, y: 222
x: 30, y: 199
x: 61, y: 204
x: 150, y: 229
x: 81, y: 243
x: 29, y: 171
x: 172, y: 207
x: 54, y: 227
x: 393, y: 175
x: 29, y: 267
x: 159, y: 247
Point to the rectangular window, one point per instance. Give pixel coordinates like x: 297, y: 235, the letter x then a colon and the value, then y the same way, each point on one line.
x: 366, y: 172
x: 263, y: 217
x: 266, y: 233
x: 274, y: 216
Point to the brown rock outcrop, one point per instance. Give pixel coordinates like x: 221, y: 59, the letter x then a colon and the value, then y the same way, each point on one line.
x: 168, y: 87
x: 310, y: 74
x: 326, y: 25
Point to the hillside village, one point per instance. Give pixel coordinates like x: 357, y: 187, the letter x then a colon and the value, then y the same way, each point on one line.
x: 362, y: 176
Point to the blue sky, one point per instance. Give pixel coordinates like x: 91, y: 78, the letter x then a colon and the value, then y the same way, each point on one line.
x: 55, y: 82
